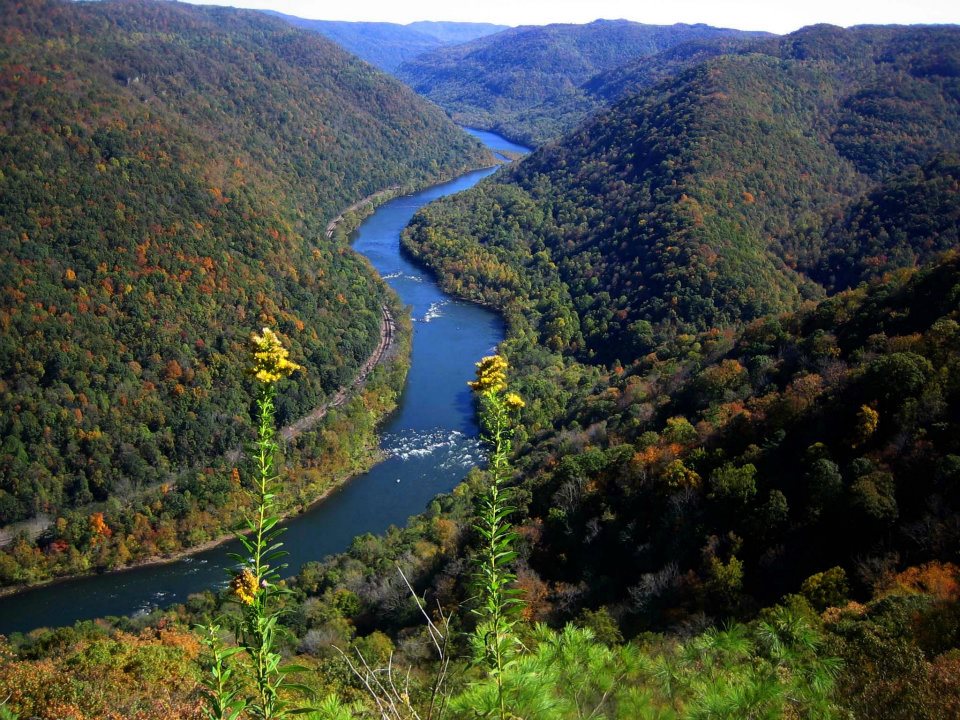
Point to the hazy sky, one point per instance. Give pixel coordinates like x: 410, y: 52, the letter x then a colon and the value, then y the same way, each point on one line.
x: 774, y: 15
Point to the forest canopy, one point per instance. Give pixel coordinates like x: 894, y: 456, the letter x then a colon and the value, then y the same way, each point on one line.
x: 166, y: 175
x: 743, y: 186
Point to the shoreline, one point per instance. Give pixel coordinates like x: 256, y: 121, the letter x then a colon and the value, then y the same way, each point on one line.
x: 179, y: 554
x: 373, y: 199
x: 388, y: 343
x: 288, y: 433
x: 380, y: 197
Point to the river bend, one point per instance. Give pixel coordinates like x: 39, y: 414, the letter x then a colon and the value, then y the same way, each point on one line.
x: 429, y: 443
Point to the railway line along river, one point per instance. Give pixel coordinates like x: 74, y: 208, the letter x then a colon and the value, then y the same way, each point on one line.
x: 429, y: 442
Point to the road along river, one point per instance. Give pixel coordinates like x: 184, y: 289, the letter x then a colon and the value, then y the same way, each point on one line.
x: 429, y: 442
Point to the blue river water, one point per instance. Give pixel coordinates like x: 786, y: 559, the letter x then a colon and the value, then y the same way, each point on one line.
x: 429, y: 442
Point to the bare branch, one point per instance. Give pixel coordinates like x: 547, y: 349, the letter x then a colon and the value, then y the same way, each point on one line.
x: 431, y: 627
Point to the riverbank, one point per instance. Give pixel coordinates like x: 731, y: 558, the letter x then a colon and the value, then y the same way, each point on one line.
x: 373, y: 200
x: 387, y: 347
x: 350, y: 218
x: 388, y: 331
x: 427, y: 444
x: 383, y: 352
x: 159, y: 561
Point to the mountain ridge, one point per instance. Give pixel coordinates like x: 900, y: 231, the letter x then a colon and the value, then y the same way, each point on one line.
x: 494, y: 82
x: 166, y: 176
x: 699, y: 199
x: 388, y: 45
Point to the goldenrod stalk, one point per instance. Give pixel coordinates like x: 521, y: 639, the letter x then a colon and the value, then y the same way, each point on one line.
x: 255, y: 586
x: 266, y: 452
x: 258, y: 617
x: 495, y: 640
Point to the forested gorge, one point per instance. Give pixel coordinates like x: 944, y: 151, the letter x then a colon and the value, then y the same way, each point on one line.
x: 717, y: 196
x: 733, y: 307
x: 796, y: 481
x: 724, y: 475
x: 534, y: 84
x: 670, y: 272
x: 166, y: 175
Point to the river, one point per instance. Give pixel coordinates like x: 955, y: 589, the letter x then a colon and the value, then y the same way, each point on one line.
x: 429, y: 442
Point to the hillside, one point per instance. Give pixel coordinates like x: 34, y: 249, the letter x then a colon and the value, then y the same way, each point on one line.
x: 903, y: 223
x: 166, y: 174
x: 719, y: 477
x: 724, y: 430
x: 534, y: 83
x: 718, y: 196
x: 388, y: 45
x: 713, y: 477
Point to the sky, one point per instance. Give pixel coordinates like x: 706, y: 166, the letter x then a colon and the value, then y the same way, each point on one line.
x: 778, y: 16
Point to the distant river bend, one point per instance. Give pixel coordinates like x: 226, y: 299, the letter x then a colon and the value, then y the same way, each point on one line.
x: 429, y: 443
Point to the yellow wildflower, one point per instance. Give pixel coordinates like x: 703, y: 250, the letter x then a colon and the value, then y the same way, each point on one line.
x: 245, y: 587
x: 514, y: 401
x: 491, y: 374
x: 270, y: 358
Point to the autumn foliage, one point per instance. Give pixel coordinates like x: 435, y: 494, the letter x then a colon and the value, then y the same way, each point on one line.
x: 105, y: 675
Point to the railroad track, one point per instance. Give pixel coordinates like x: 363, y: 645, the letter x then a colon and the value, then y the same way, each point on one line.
x: 388, y: 330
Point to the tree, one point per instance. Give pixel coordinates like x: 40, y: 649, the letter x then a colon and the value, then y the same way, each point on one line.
x: 730, y: 482
x: 826, y: 589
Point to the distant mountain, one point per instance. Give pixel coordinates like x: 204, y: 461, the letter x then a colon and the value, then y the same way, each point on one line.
x: 741, y: 187
x: 611, y: 85
x: 557, y: 116
x: 532, y: 83
x: 387, y: 45
x: 453, y: 33
x: 166, y: 174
